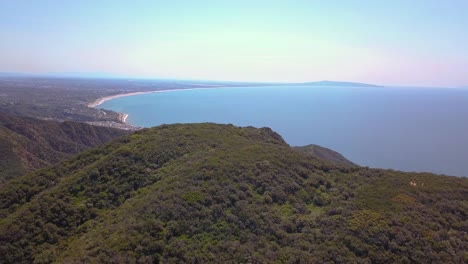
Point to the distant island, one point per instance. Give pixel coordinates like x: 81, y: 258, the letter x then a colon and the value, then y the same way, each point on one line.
x: 348, y: 84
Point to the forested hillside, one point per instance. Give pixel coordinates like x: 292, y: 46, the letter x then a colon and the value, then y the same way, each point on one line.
x: 217, y: 193
x: 325, y: 154
x: 27, y: 143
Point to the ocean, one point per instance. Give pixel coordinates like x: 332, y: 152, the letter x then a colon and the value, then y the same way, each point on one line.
x: 409, y: 129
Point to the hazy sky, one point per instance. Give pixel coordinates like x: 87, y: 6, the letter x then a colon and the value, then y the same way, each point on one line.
x: 398, y: 42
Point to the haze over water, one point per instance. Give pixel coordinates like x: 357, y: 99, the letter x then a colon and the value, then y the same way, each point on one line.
x: 406, y: 129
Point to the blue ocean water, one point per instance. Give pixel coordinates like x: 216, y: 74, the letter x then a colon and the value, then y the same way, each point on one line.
x: 410, y: 129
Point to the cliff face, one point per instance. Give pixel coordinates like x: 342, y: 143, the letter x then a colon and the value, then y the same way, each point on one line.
x: 215, y: 193
x: 27, y: 143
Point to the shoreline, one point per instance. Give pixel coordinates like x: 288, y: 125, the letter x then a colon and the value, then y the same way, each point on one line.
x: 104, y: 99
x: 124, y: 116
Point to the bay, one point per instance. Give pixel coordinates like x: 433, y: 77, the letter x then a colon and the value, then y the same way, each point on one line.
x: 409, y: 129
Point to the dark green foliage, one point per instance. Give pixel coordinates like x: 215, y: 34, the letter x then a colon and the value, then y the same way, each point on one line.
x: 218, y: 193
x: 27, y: 143
x: 326, y: 154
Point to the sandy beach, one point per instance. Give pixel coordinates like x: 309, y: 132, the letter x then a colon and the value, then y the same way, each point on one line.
x: 107, y: 98
x: 124, y: 116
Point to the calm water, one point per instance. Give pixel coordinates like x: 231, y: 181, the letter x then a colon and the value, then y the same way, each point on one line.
x: 407, y: 129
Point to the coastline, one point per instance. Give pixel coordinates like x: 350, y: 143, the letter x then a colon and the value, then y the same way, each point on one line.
x: 110, y: 97
x: 107, y: 98
x: 124, y: 116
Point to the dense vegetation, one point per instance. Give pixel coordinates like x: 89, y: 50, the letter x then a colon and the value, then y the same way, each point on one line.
x: 325, y: 154
x: 27, y: 143
x: 218, y: 193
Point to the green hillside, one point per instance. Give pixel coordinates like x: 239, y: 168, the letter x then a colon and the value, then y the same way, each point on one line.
x: 207, y: 193
x: 326, y: 154
x: 27, y: 143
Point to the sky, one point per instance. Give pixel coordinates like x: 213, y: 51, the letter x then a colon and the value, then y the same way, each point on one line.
x: 398, y: 42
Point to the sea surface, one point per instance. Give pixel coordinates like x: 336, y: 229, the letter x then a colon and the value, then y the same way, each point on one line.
x: 409, y: 129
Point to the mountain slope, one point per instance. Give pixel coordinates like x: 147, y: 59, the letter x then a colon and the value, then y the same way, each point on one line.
x: 27, y: 143
x: 217, y: 193
x: 325, y: 154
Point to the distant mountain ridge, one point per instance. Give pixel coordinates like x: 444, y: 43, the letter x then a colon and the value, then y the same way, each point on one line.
x: 15, y: 74
x: 27, y: 143
x: 348, y: 84
x: 71, y: 75
x: 106, y: 75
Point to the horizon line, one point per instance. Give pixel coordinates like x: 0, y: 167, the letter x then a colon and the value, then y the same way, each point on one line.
x: 112, y: 76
